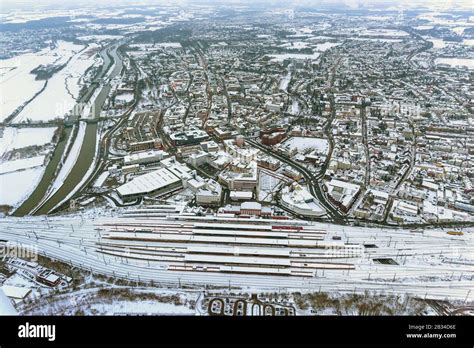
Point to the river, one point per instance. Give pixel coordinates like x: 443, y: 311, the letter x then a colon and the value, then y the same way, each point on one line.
x: 87, y: 152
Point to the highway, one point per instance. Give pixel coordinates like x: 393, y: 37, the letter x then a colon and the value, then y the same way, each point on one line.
x: 431, y: 264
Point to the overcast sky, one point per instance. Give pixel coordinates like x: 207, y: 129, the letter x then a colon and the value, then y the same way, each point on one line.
x: 435, y: 4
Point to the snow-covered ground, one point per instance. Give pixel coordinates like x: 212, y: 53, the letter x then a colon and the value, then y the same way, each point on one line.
x: 99, y: 38
x: 88, y: 112
x: 33, y: 14
x: 124, y: 98
x: 20, y: 164
x: 71, y: 158
x: 16, y: 138
x: 6, y: 305
x: 468, y: 42
x: 63, y: 87
x: 169, y: 45
x: 296, y: 45
x: 303, y: 143
x: 118, y: 301
x: 285, y: 81
x: 101, y: 179
x: 456, y: 62
x: 374, y: 39
x: 437, y: 43
x: 383, y: 32
x: 15, y: 75
x: 144, y: 49
x: 19, y: 177
x: 77, y: 67
x: 141, y: 307
x: 267, y: 187
x: 282, y: 57
x: 15, y: 187
x: 325, y: 46
x: 424, y: 27
x: 295, y: 107
x: 459, y: 30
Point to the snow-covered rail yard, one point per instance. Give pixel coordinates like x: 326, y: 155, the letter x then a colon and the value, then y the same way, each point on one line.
x: 168, y: 248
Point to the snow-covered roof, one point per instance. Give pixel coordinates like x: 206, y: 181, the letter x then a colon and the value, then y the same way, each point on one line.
x: 148, y: 182
x: 240, y: 195
x: 251, y: 206
x: 144, y: 155
x: 15, y: 291
x: 6, y: 306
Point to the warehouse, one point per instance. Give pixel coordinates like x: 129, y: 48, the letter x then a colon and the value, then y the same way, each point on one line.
x: 157, y: 182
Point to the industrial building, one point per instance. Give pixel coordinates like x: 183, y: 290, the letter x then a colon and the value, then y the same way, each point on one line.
x: 157, y: 182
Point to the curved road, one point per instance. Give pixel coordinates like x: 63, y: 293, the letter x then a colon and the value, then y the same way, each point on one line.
x: 311, y: 179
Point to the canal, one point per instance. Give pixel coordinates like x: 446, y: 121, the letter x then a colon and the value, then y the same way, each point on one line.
x: 87, y: 152
x: 47, y: 179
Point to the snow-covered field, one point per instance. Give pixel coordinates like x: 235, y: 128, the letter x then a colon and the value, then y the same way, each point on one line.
x: 304, y: 143
x: 437, y: 43
x: 325, y: 46
x: 424, y: 27
x: 169, y: 45
x: 19, y: 177
x: 267, y: 187
x: 77, y: 67
x: 124, y: 98
x: 63, y: 87
x: 99, y: 38
x: 468, y: 42
x: 285, y: 81
x: 456, y: 62
x: 295, y: 107
x: 114, y: 301
x: 20, y: 164
x: 383, y: 32
x: 296, y: 45
x: 18, y: 85
x: 33, y: 14
x: 282, y: 57
x: 144, y: 49
x: 376, y: 39
x: 101, y: 179
x: 15, y: 187
x: 141, y: 307
x: 16, y: 138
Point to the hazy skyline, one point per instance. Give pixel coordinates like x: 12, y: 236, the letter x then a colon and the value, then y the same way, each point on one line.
x: 349, y: 4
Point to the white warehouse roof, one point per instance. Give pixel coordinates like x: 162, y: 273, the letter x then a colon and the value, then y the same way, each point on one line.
x: 148, y: 182
x: 251, y: 206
